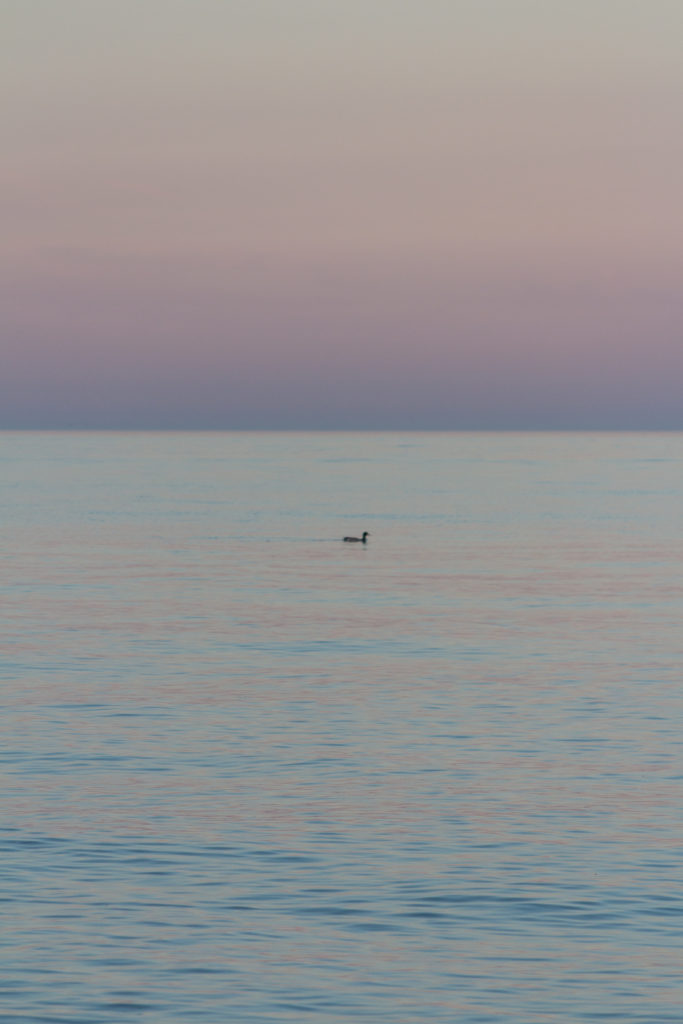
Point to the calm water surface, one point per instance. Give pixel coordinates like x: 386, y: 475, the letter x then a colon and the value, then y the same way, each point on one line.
x: 250, y: 773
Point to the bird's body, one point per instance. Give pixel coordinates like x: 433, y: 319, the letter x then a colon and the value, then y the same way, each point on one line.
x: 358, y: 540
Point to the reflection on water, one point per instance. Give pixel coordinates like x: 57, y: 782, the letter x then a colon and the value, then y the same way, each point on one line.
x: 251, y: 773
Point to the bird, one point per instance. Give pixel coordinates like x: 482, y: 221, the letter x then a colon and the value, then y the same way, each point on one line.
x: 358, y: 540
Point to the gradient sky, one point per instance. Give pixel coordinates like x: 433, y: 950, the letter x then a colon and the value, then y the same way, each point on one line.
x: 342, y: 213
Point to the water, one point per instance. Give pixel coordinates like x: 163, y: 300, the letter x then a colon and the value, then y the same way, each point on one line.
x: 250, y: 773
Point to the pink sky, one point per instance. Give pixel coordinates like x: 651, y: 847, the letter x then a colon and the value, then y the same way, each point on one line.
x: 323, y: 214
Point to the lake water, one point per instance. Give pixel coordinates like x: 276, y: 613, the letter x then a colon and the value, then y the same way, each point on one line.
x: 251, y: 773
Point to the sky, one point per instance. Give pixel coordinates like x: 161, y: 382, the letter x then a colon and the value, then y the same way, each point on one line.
x: 316, y: 214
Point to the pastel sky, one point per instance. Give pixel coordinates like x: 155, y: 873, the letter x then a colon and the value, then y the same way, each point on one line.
x: 342, y: 214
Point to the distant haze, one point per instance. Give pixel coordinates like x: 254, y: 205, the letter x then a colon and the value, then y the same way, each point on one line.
x: 324, y: 214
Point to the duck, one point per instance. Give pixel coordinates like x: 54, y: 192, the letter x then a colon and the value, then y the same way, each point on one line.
x: 358, y: 540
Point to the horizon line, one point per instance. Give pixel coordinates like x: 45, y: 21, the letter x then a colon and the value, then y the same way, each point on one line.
x: 335, y: 430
